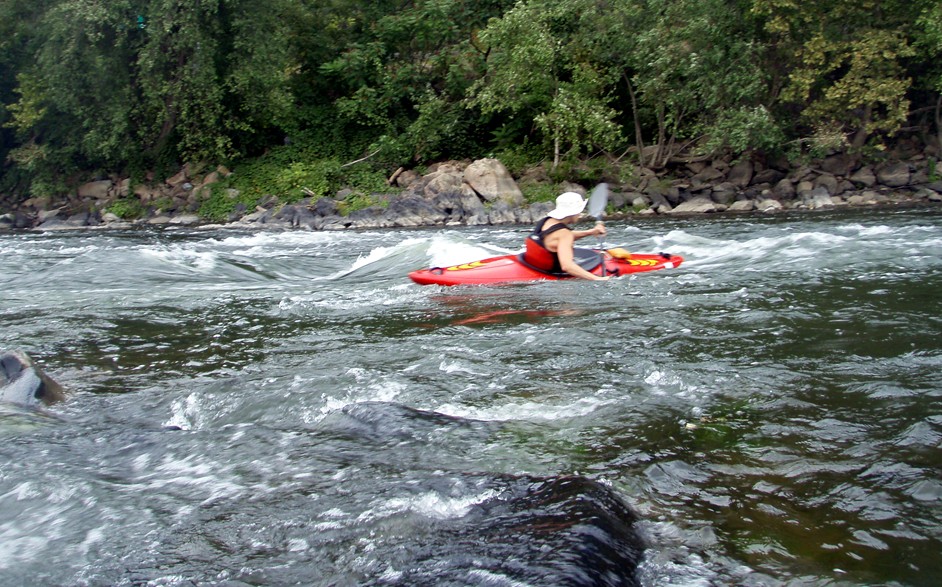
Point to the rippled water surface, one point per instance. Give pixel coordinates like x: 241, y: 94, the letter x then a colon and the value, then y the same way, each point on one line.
x: 287, y: 408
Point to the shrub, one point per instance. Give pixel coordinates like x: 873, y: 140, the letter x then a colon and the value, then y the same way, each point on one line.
x: 126, y: 208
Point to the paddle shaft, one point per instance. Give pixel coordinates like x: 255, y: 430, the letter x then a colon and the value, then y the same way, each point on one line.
x: 597, y: 202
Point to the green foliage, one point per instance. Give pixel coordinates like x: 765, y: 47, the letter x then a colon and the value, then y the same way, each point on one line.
x: 362, y: 177
x: 540, y: 192
x: 286, y: 91
x: 844, y: 63
x: 519, y: 157
x: 742, y: 129
x: 127, y: 208
x: 222, y: 203
x: 534, y: 71
x: 406, y: 78
x: 306, y: 179
x: 359, y: 201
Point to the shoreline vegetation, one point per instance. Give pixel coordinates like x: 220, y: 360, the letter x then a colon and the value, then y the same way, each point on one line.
x: 484, y: 192
x: 366, y: 114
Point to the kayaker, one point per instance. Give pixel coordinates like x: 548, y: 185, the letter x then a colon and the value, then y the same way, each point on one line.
x: 550, y: 246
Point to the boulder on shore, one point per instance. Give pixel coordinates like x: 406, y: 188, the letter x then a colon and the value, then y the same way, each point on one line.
x: 491, y: 180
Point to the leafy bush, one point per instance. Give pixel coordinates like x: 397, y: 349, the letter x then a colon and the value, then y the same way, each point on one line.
x: 539, y: 192
x: 306, y: 179
x: 363, y: 178
x: 126, y: 208
x: 222, y: 202
x: 360, y: 201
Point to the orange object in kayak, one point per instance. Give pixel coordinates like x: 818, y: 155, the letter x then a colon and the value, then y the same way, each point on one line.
x: 512, y: 268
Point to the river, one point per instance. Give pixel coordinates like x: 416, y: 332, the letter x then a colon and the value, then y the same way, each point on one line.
x: 280, y: 408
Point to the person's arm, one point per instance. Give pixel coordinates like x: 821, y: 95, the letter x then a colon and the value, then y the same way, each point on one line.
x: 598, y: 229
x: 566, y: 257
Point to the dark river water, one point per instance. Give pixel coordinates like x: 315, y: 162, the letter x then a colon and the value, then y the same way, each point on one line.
x: 282, y: 408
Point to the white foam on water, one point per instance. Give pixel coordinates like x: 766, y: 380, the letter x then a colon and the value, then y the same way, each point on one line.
x: 430, y: 504
x: 526, y: 411
x: 861, y: 230
x: 702, y: 252
x: 368, y: 387
x: 445, y: 252
x: 192, y: 474
x: 201, y: 262
x: 185, y: 414
x: 486, y: 577
x: 377, y: 255
x: 458, y: 366
x: 380, y: 253
x: 395, y: 296
x: 261, y: 242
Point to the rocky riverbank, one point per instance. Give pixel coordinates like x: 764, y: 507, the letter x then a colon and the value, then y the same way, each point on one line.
x: 483, y: 192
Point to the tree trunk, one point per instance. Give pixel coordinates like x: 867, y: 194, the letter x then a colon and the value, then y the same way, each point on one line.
x: 862, y: 134
x: 639, y: 141
x: 661, y: 135
x: 938, y: 119
x: 556, y: 151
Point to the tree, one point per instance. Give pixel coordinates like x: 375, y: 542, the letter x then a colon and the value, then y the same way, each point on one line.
x: 844, y: 63
x: 929, y: 42
x: 534, y: 71
x: 406, y: 76
x: 74, y: 100
x: 212, y: 73
x: 695, y: 66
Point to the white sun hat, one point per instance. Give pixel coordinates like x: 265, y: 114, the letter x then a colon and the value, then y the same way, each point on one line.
x: 568, y: 204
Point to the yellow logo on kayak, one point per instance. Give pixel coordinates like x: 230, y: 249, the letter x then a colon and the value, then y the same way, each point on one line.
x: 642, y: 262
x: 471, y: 265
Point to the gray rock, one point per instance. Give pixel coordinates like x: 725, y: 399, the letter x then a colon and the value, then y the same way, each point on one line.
x: 442, y: 183
x: 864, y: 177
x: 840, y: 164
x: 742, y: 206
x: 185, y: 219
x: 412, y: 211
x: 818, y: 198
x: 804, y: 188
x: 740, y: 174
x: 708, y: 175
x: 895, y: 175
x: 784, y: 189
x: 406, y: 178
x: 769, y: 176
x: 540, y: 210
x: 724, y: 193
x: 698, y: 205
x: 826, y: 181
x: 768, y: 205
x: 501, y: 213
x: 98, y: 190
x: 325, y: 207
x: 491, y: 180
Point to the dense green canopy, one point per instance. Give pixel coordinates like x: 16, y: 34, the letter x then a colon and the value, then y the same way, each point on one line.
x: 129, y: 86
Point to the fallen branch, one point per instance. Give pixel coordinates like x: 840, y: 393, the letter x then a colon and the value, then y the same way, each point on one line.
x: 361, y: 159
x: 393, y: 177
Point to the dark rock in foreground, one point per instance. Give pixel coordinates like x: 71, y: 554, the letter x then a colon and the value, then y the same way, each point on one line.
x: 22, y: 382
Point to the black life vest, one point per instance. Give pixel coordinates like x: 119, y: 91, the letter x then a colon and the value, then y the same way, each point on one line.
x: 536, y: 254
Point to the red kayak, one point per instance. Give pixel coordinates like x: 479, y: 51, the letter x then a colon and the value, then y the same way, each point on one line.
x: 512, y: 268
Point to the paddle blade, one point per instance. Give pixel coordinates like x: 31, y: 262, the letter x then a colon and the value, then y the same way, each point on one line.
x: 598, y: 200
